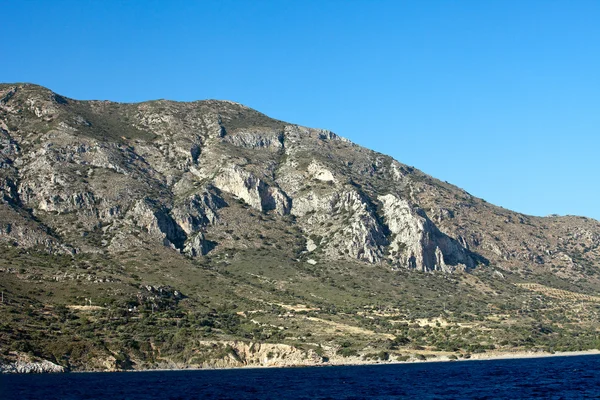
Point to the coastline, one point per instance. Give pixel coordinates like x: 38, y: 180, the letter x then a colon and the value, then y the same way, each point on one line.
x: 491, y: 356
x: 355, y: 363
x: 531, y: 354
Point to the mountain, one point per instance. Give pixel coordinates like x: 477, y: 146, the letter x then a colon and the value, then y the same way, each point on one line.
x: 208, y: 234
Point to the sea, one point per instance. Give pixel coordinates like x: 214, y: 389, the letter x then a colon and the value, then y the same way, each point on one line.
x: 573, y: 377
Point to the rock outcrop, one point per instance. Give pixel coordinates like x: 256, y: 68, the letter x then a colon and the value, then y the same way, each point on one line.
x: 36, y: 367
x: 342, y: 223
x: 252, y: 190
x: 417, y: 242
x: 242, y: 354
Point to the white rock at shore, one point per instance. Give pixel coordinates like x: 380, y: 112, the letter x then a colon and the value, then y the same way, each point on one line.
x: 21, y: 367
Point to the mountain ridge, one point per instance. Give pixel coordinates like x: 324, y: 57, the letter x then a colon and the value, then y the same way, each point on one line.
x: 245, y: 107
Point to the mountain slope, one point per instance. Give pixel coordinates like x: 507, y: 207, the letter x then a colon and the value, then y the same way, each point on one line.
x: 186, y: 207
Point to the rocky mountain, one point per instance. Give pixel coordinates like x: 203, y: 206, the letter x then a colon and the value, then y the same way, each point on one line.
x: 92, y: 176
x: 116, y: 195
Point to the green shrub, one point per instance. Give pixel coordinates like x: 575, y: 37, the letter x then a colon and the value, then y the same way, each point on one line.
x: 347, y: 352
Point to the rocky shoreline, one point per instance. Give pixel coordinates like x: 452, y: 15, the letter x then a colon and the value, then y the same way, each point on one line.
x: 45, y: 366
x: 39, y: 367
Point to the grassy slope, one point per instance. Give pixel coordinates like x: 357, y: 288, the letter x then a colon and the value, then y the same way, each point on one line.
x: 266, y: 295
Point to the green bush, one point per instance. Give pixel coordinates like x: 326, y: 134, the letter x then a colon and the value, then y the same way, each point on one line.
x: 347, y: 352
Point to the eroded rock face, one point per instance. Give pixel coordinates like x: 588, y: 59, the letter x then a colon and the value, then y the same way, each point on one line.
x: 343, y: 223
x: 252, y: 190
x: 256, y: 138
x: 416, y: 241
x: 241, y: 354
x: 157, y: 222
x: 197, y: 245
x: 320, y: 173
x: 198, y: 211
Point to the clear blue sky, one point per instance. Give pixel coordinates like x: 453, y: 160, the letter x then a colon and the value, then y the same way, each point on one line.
x: 501, y: 98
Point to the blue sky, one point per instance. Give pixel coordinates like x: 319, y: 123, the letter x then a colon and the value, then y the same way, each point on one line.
x: 501, y: 98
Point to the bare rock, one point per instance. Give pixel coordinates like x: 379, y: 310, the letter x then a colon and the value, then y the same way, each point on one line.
x: 252, y: 190
x: 417, y: 243
x: 34, y: 367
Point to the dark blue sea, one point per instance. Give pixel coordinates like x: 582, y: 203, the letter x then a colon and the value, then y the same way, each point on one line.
x: 576, y: 377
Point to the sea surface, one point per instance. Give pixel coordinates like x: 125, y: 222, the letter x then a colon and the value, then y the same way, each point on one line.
x: 575, y: 377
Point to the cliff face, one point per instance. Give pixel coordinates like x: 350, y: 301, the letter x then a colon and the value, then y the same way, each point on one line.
x: 92, y: 176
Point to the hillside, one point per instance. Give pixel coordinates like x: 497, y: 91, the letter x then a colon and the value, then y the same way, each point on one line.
x: 208, y: 234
